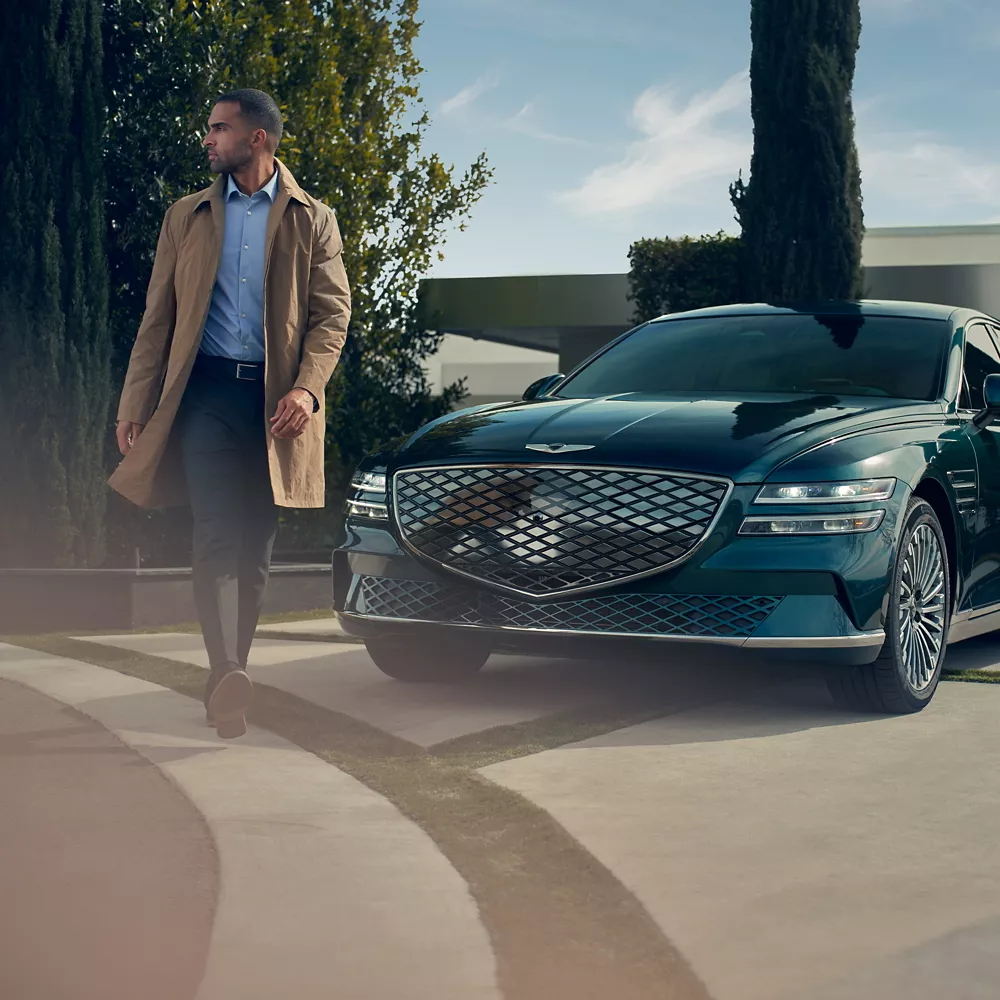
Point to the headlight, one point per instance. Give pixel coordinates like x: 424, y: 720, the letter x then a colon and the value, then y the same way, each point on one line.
x: 370, y: 482
x: 361, y: 508
x: 850, y: 524
x: 862, y: 489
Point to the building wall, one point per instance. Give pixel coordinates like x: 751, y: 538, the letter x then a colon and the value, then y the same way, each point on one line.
x: 933, y: 246
x: 492, y: 372
x: 559, y: 320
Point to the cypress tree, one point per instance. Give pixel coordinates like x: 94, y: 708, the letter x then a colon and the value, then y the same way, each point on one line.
x: 801, y: 211
x: 54, y: 339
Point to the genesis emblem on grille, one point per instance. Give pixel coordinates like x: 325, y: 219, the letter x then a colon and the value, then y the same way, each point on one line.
x: 560, y: 449
x: 544, y: 531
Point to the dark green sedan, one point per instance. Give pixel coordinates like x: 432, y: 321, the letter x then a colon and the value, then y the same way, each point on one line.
x: 820, y: 483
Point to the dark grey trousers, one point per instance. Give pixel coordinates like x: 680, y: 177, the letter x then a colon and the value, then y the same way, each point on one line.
x: 223, y: 440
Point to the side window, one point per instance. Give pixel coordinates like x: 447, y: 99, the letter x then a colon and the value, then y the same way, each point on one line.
x: 981, y: 359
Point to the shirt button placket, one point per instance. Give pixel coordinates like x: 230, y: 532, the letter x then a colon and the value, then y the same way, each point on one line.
x: 242, y: 305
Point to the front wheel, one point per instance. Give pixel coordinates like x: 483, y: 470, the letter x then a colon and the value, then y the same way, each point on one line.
x: 421, y: 663
x: 905, y: 676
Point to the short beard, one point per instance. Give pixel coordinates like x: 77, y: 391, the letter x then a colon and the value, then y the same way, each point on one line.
x: 231, y: 164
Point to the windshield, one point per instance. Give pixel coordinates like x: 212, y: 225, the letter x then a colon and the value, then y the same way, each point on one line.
x: 844, y: 354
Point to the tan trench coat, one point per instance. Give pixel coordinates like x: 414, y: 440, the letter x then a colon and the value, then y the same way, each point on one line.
x: 307, y: 305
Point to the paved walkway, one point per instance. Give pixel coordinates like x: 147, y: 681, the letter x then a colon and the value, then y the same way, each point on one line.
x: 326, y: 889
x: 108, y: 874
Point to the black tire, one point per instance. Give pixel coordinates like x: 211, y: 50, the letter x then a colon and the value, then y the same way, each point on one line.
x: 418, y: 662
x: 887, y: 685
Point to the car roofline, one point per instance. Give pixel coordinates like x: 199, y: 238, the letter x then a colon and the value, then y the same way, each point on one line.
x: 896, y: 309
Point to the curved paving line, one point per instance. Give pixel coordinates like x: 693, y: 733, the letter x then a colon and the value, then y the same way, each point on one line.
x: 562, y: 926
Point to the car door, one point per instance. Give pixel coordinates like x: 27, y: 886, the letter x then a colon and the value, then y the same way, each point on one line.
x: 982, y: 358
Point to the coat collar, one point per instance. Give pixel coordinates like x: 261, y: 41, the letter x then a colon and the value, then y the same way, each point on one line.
x: 287, y: 185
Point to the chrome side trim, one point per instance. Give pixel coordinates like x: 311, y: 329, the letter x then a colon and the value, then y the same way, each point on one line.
x: 420, y: 556
x: 969, y: 624
x: 861, y: 639
x: 962, y: 616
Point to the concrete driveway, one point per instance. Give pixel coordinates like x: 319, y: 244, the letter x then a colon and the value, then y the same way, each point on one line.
x: 788, y: 850
x: 792, y: 852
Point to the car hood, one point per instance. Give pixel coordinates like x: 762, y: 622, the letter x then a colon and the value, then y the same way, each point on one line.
x: 714, y: 436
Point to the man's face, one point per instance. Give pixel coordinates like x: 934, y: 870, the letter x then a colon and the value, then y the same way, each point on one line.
x: 230, y: 140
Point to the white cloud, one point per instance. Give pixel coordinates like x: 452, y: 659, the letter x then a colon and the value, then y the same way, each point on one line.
x: 525, y: 122
x: 688, y: 153
x: 468, y: 96
x: 917, y: 178
x: 682, y: 147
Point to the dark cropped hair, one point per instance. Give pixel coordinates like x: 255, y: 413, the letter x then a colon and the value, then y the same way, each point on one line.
x: 260, y: 109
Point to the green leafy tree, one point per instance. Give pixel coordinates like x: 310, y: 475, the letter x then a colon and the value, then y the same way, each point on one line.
x: 345, y: 75
x: 801, y: 211
x: 54, y: 338
x: 673, y: 275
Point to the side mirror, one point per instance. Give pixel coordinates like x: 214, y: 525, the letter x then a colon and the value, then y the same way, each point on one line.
x: 542, y: 387
x: 991, y: 399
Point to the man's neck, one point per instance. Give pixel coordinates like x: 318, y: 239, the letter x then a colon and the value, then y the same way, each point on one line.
x: 255, y: 175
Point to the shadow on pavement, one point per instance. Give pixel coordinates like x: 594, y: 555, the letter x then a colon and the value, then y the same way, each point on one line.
x: 981, y: 653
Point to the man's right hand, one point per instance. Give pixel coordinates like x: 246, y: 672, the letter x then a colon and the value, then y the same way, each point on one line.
x: 127, y: 433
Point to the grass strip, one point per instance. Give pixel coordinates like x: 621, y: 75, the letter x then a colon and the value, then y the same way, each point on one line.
x: 561, y: 924
x: 972, y: 676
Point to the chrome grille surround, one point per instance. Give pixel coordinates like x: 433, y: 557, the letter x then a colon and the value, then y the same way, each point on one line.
x: 663, y: 615
x: 551, y: 530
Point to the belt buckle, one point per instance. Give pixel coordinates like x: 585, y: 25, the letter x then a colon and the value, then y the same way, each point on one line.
x: 246, y: 378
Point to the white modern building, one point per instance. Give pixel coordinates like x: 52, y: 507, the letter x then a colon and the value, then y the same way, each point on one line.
x: 503, y: 333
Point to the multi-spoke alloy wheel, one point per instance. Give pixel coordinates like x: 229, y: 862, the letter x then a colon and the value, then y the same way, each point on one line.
x: 922, y: 607
x: 906, y: 674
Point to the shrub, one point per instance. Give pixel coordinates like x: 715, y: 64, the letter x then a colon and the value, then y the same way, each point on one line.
x: 674, y: 275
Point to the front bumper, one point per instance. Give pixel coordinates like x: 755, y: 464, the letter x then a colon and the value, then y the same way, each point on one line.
x: 381, y: 590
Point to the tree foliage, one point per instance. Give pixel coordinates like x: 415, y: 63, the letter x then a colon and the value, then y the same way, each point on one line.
x: 801, y: 211
x: 54, y: 339
x: 345, y: 75
x: 673, y: 275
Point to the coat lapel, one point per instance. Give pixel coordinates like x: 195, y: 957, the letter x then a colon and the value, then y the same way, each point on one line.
x: 288, y: 190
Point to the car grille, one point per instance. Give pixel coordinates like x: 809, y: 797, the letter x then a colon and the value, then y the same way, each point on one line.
x: 547, y: 531
x: 623, y: 614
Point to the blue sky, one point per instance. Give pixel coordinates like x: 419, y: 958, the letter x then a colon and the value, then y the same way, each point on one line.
x: 611, y: 120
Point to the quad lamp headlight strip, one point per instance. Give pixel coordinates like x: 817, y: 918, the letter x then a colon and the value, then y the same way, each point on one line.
x: 372, y: 504
x: 821, y: 493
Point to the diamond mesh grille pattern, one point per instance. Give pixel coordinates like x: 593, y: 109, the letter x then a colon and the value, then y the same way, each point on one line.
x: 640, y: 614
x: 544, y: 531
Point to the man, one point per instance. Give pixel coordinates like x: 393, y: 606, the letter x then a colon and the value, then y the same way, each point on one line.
x: 223, y: 403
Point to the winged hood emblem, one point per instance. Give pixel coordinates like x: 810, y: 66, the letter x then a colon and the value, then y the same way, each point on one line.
x: 559, y: 449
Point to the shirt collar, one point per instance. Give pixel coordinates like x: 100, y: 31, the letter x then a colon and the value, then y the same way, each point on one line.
x: 270, y: 188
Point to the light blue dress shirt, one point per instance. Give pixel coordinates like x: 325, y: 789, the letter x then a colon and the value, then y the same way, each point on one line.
x: 235, y: 324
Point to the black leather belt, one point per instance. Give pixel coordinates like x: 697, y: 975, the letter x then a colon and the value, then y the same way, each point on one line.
x: 228, y: 368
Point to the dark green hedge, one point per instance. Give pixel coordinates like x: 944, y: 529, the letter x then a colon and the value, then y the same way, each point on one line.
x: 669, y: 275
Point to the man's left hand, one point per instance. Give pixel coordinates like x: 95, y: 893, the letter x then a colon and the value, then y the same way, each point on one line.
x: 292, y: 414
